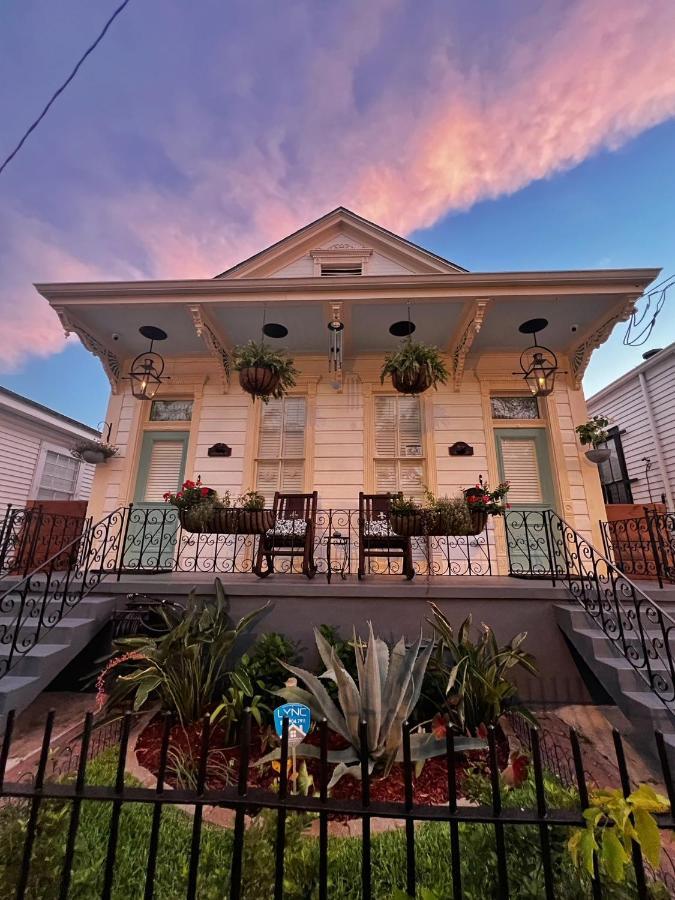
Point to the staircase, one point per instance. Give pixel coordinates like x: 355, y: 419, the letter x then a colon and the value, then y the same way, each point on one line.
x: 630, y: 691
x: 59, y: 645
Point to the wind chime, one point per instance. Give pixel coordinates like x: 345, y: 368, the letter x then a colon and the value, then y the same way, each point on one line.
x: 335, y: 329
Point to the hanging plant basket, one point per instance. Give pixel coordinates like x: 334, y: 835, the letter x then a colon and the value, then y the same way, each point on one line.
x: 226, y: 521
x: 95, y: 457
x: 598, y: 456
x: 259, y: 381
x: 407, y: 526
x: 412, y: 383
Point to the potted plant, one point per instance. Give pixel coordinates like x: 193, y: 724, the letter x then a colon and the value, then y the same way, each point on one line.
x: 447, y: 515
x: 406, y: 516
x: 94, y: 452
x: 253, y: 518
x: 593, y: 432
x: 201, y: 510
x: 264, y: 372
x: 483, y: 502
x: 414, y: 368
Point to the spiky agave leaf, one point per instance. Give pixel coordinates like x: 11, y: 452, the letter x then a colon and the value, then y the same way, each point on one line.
x: 323, y: 706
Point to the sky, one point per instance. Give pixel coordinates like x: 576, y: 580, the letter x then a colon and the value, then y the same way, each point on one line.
x: 501, y: 135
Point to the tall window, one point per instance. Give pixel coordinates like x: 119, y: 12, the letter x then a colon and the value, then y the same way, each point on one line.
x: 59, y: 477
x: 616, y: 485
x: 399, y: 454
x: 281, y: 447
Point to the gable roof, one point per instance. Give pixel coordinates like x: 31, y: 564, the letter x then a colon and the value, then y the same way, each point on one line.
x: 342, y: 214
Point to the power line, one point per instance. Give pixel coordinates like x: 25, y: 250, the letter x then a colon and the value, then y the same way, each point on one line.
x: 639, y: 328
x: 65, y: 84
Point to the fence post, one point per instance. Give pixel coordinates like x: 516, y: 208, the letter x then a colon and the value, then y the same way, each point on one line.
x: 655, y: 547
x: 549, y: 544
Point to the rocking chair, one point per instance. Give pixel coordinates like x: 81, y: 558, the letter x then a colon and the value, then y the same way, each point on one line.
x: 376, y: 539
x: 292, y: 534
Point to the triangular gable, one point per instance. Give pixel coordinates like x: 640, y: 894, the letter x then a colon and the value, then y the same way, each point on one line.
x: 343, y: 234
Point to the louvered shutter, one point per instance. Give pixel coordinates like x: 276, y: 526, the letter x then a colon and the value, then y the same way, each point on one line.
x: 409, y: 427
x: 521, y: 469
x: 399, y: 464
x: 269, y: 442
x: 281, y: 447
x: 165, y: 471
x: 385, y: 426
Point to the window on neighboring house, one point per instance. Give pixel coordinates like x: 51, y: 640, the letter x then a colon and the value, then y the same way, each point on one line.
x: 280, y: 465
x: 59, y: 477
x: 613, y: 473
x: 514, y: 407
x: 399, y: 452
x: 334, y: 269
x: 171, y: 411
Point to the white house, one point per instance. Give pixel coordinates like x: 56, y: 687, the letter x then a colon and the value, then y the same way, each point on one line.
x: 641, y: 408
x: 35, y: 458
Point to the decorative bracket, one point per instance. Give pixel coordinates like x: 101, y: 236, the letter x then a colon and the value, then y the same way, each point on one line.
x: 580, y: 356
x: 217, y: 346
x: 109, y: 360
x: 464, y: 337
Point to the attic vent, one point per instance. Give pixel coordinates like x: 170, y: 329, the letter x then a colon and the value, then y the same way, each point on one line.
x: 331, y: 270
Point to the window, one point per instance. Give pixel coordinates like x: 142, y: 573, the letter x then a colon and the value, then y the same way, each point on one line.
x: 59, y: 477
x: 171, y: 411
x: 165, y: 469
x: 514, y: 408
x: 399, y: 456
x: 281, y: 447
x: 331, y: 270
x: 613, y: 473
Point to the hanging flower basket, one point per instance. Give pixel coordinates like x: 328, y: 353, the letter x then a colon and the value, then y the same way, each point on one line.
x: 479, y: 519
x: 598, y: 455
x: 93, y: 452
x: 259, y: 381
x: 412, y: 382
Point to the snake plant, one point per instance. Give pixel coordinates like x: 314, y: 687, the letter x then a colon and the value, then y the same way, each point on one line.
x: 389, y: 685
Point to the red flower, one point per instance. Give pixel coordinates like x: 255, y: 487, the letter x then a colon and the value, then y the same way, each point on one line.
x: 167, y: 496
x: 179, y: 495
x: 515, y: 772
x: 206, y: 492
x: 439, y: 724
x: 188, y: 485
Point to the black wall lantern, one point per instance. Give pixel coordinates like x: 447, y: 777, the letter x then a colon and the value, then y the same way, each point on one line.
x: 538, y: 364
x: 146, y: 369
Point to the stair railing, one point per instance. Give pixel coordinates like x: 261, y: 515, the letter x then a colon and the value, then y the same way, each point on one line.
x: 639, y: 629
x: 37, y: 602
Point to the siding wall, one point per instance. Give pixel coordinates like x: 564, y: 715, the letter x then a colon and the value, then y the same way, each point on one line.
x: 377, y: 264
x: 625, y: 407
x: 21, y: 442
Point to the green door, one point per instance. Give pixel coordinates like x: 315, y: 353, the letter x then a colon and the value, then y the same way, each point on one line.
x: 153, y: 525
x: 523, y: 459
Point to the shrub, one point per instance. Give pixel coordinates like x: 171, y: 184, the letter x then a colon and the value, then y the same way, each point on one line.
x: 259, y: 356
x: 413, y: 357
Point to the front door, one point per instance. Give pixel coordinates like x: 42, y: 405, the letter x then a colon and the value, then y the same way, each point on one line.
x: 523, y: 459
x: 151, y: 536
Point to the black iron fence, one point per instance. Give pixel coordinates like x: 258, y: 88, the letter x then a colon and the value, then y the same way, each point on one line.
x: 644, y: 546
x: 544, y: 827
x: 638, y: 628
x: 156, y: 541
x: 29, y: 536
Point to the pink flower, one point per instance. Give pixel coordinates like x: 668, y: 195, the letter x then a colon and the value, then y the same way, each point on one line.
x: 101, y: 693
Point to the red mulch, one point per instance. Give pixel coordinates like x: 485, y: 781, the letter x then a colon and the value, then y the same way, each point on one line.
x: 430, y: 788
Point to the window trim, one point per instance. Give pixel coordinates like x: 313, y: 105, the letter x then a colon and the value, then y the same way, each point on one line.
x: 337, y: 256
x: 372, y: 458
x: 305, y: 458
x: 46, y: 446
x: 614, y: 434
x: 174, y: 424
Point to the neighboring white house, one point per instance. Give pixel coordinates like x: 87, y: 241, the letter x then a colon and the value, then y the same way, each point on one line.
x: 35, y: 458
x: 641, y: 408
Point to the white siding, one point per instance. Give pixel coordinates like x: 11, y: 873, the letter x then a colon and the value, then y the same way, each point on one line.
x: 625, y: 407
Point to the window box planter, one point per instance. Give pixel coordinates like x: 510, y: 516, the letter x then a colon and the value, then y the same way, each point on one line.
x: 479, y: 519
x: 227, y: 521
x: 407, y: 526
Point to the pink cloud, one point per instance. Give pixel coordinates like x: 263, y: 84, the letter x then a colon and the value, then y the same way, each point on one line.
x: 402, y: 123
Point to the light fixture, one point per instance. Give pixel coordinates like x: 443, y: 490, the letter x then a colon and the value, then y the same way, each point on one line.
x: 275, y: 330
x: 403, y: 328
x: 146, y: 369
x: 538, y: 364
x: 335, y: 328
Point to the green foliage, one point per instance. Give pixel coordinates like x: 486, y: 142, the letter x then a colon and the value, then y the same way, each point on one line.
x: 251, y: 501
x: 481, y: 498
x: 389, y: 684
x: 613, y: 822
x: 254, y: 355
x: 411, y: 358
x: 266, y: 657
x: 594, y: 431
x: 108, y: 450
x: 405, y: 506
x: 447, y: 515
x: 240, y: 695
x: 478, y: 687
x: 186, y: 669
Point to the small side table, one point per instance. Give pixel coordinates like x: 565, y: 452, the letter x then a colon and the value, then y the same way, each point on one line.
x: 337, y: 555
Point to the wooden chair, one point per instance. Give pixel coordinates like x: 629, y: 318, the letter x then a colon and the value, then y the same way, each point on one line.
x: 292, y: 534
x: 381, y: 541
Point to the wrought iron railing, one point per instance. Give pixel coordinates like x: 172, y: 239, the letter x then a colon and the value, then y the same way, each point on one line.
x: 30, y: 535
x: 157, y: 542
x: 33, y: 605
x: 643, y: 546
x: 638, y: 628
x: 544, y: 828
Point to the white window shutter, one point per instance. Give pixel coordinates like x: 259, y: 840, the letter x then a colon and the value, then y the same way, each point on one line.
x: 521, y: 469
x: 281, y: 447
x: 399, y: 462
x: 409, y: 427
x: 165, y: 471
x: 269, y: 442
x: 385, y: 426
x: 294, y: 427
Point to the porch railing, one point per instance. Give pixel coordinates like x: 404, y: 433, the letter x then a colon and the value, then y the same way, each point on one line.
x: 644, y: 546
x: 29, y: 536
x: 639, y: 629
x: 156, y: 542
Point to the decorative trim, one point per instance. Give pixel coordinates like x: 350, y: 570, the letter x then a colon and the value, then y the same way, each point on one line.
x: 580, y: 356
x: 109, y: 360
x: 460, y: 347
x: 207, y: 331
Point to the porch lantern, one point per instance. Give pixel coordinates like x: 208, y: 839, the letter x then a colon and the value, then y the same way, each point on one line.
x: 146, y: 370
x: 538, y: 364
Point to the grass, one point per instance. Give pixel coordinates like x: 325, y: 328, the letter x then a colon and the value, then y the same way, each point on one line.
x: 388, y: 855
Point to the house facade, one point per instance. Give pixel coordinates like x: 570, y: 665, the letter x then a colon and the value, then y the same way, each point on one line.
x: 641, y: 410
x: 36, y: 464
x: 340, y: 430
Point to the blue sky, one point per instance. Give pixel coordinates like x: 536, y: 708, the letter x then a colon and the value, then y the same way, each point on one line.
x: 198, y: 134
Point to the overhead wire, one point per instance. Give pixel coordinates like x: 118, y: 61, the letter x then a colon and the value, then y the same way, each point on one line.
x: 62, y: 88
x: 642, y: 321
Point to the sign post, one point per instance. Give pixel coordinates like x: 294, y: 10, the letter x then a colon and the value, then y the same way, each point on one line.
x: 299, y: 719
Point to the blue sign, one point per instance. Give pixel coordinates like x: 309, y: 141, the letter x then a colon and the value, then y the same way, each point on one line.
x: 299, y: 719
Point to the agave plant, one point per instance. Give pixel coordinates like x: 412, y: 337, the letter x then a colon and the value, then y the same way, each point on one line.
x: 389, y: 684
